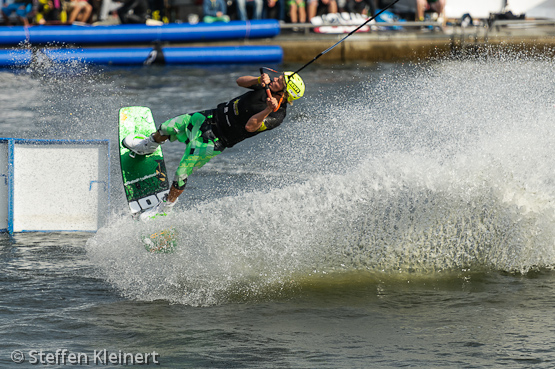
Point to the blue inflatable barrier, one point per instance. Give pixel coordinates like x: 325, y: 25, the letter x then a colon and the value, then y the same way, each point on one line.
x: 139, y: 33
x: 124, y: 56
x: 223, y: 55
x: 17, y: 58
x: 148, y: 55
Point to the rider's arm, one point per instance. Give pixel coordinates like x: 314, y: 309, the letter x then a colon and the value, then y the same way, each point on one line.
x: 249, y: 81
x: 255, y: 122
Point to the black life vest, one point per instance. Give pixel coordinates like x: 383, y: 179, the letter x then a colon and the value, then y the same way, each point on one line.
x: 231, y: 117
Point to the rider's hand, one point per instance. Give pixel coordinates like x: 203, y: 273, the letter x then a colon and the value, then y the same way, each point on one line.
x: 272, y: 103
x: 265, y: 80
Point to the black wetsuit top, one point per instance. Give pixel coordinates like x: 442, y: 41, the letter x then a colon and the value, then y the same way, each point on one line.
x: 231, y: 117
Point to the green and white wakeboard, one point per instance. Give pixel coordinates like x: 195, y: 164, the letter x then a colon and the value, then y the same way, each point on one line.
x: 145, y: 178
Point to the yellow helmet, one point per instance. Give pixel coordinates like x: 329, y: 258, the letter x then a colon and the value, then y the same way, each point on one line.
x: 294, y: 86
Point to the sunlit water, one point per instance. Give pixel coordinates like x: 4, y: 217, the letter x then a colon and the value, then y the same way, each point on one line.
x: 403, y: 216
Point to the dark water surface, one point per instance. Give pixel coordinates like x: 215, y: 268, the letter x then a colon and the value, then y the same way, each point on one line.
x: 402, y: 217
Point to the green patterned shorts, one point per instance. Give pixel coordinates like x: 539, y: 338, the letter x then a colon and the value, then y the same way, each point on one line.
x: 201, y: 143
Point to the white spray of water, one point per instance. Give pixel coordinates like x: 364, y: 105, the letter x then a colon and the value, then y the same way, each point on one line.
x: 441, y: 167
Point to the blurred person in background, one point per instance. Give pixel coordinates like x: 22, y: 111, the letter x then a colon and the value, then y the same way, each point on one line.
x: 315, y: 5
x: 133, y: 11
x: 366, y: 7
x: 79, y: 10
x: 49, y: 12
x: 215, y: 11
x: 22, y: 9
x: 422, y: 6
x: 297, y: 11
x: 256, y: 5
x: 274, y: 9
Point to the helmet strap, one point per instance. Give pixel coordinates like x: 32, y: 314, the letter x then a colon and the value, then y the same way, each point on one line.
x: 280, y: 100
